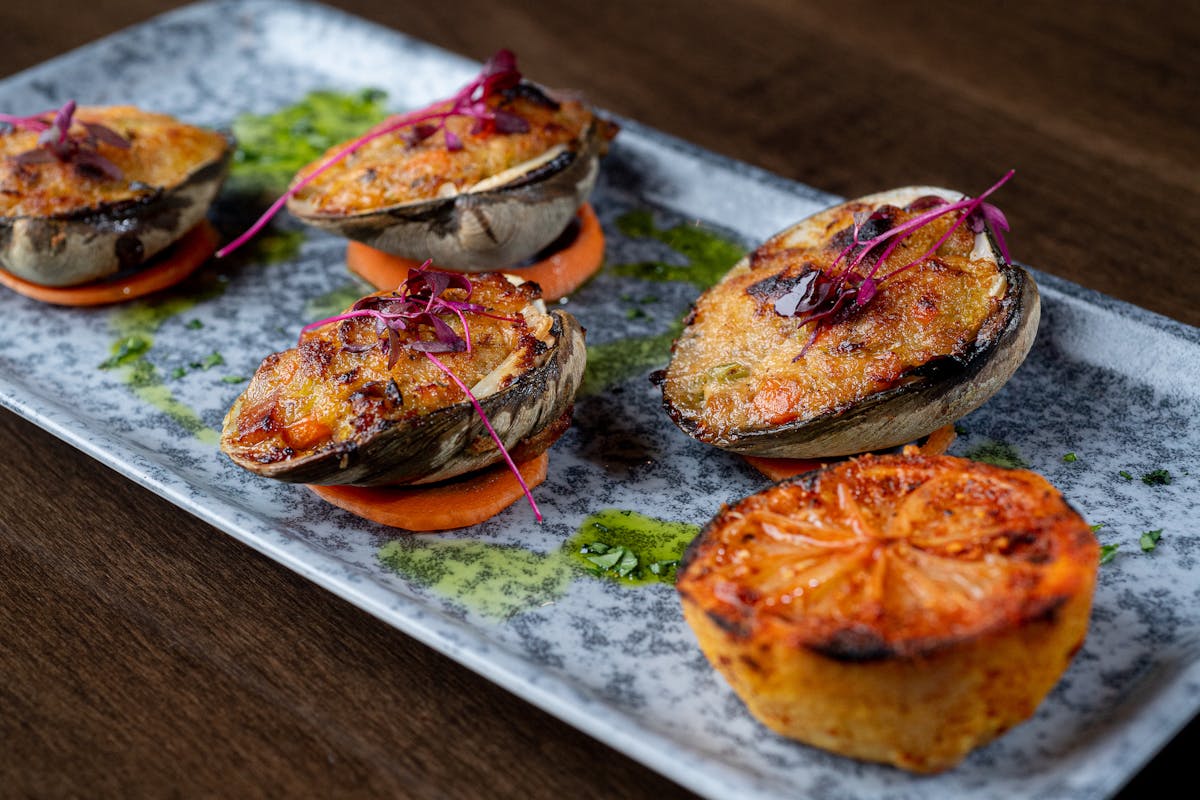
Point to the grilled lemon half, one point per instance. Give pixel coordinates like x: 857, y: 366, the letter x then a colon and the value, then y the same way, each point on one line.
x: 900, y: 608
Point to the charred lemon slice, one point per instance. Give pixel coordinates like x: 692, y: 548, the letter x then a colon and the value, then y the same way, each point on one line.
x: 901, y: 608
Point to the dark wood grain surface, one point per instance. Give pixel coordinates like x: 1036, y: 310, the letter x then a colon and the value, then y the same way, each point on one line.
x: 146, y: 654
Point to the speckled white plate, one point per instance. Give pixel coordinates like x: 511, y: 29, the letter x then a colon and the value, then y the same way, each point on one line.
x: 1105, y: 381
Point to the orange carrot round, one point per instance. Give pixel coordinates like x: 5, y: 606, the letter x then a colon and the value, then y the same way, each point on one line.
x: 935, y: 444
x: 939, y: 441
x: 558, y: 274
x: 779, y: 468
x: 457, y: 503
x: 166, y: 269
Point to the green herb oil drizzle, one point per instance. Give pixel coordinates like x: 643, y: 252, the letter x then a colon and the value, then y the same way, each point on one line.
x: 500, y: 581
x: 629, y: 547
x: 272, y: 148
x: 707, y: 255
x: 613, y: 362
x: 335, y: 301
x: 135, y: 327
x: 999, y: 454
x: 493, y: 580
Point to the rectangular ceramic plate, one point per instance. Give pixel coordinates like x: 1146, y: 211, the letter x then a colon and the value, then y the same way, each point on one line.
x: 1104, y: 381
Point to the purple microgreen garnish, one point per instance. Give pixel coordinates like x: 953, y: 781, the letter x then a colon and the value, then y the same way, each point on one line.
x: 818, y: 294
x: 419, y: 302
x: 102, y: 133
x: 57, y: 142
x: 866, y: 290
x: 499, y: 76
x: 509, y: 122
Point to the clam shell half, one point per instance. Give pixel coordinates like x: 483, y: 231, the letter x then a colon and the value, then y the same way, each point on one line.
x: 925, y: 397
x: 495, y: 224
x: 100, y: 240
x: 522, y: 401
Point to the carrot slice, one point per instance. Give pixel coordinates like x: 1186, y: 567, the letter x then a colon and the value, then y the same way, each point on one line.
x: 166, y: 269
x: 558, y: 274
x: 777, y: 469
x: 456, y: 503
x: 939, y: 441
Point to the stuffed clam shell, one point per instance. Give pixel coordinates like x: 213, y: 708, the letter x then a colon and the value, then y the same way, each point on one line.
x: 490, y: 203
x: 349, y: 407
x: 65, y: 223
x: 938, y: 336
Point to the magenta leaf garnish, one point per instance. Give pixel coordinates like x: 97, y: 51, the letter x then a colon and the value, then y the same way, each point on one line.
x: 498, y: 76
x: 866, y: 290
x: 57, y: 142
x: 812, y: 290
x: 509, y: 122
x: 816, y: 295
x: 38, y: 156
x: 419, y: 302
x: 102, y: 133
x: 989, y: 217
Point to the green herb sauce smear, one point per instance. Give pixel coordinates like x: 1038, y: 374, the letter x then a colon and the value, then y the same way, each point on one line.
x: 500, y: 581
x: 614, y: 362
x: 135, y: 327
x: 629, y: 547
x: 708, y: 255
x: 998, y: 454
x: 274, y: 246
x: 272, y: 148
x: 493, y: 580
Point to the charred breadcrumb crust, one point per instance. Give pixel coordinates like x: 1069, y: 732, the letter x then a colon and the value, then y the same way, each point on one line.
x: 64, y: 226
x: 478, y: 230
x: 934, y: 377
x: 532, y: 406
x: 923, y: 397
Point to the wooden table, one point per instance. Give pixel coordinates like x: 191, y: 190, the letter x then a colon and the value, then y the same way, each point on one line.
x: 145, y: 653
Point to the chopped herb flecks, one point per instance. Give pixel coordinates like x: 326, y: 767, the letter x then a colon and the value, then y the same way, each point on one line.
x: 663, y: 567
x: 619, y: 560
x: 1158, y: 477
x: 211, y: 360
x: 1126, y: 475
x: 1149, y: 540
x: 1070, y: 458
x: 1095, y: 528
x: 1108, y: 552
x: 194, y: 325
x: 630, y: 548
x: 127, y: 350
